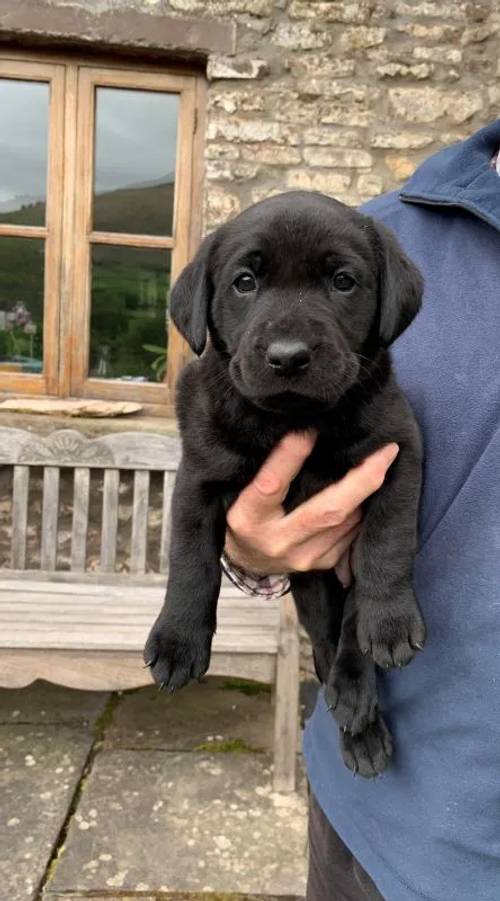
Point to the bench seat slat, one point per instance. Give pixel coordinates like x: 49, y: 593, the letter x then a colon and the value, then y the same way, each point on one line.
x: 19, y: 516
x: 78, y: 622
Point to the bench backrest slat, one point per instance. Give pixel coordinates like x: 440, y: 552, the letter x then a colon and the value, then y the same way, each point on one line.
x: 50, y: 513
x: 168, y: 487
x: 138, y: 549
x: 21, y: 483
x: 81, y: 491
x: 109, y: 519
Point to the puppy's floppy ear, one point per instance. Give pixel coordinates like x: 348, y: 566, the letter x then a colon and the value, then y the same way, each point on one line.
x: 400, y: 284
x: 191, y: 296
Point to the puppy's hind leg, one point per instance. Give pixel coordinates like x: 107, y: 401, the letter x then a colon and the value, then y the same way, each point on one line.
x: 319, y: 598
x: 351, y: 689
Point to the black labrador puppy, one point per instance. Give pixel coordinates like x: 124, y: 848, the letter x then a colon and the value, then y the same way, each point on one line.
x: 301, y: 297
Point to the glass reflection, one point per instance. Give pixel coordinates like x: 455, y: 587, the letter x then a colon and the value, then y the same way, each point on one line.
x: 128, y: 326
x: 21, y: 304
x: 135, y: 148
x: 24, y: 114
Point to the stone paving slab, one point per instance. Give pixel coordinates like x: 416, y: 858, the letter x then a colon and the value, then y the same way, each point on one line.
x: 152, y: 821
x: 45, y: 703
x: 227, y: 712
x: 39, y: 769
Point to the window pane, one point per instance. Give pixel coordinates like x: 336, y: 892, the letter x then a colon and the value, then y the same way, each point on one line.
x: 21, y: 304
x: 24, y: 114
x: 128, y: 326
x: 136, y: 133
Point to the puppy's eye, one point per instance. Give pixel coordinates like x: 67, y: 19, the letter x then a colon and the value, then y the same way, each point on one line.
x: 343, y: 282
x: 245, y: 283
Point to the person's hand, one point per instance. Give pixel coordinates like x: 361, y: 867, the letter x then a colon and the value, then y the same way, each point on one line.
x: 319, y: 533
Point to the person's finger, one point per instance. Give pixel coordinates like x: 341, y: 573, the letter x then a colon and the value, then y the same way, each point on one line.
x: 332, y: 505
x: 343, y: 569
x: 331, y: 558
x: 267, y: 491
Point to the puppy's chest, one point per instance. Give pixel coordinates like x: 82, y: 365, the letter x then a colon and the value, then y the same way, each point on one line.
x: 317, y: 473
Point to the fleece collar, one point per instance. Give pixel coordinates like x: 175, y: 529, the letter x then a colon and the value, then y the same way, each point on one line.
x: 461, y: 175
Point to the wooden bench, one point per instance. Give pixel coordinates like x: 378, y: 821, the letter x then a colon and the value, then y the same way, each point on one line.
x: 86, y: 629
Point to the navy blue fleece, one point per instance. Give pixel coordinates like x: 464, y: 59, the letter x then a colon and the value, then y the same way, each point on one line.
x: 429, y: 828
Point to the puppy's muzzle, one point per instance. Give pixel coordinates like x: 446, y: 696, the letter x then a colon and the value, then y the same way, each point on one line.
x: 288, y: 357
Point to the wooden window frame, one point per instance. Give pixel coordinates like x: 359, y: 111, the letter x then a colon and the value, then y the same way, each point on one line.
x: 51, y: 232
x: 68, y: 232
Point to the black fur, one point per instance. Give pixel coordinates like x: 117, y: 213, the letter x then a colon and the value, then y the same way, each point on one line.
x: 234, y: 407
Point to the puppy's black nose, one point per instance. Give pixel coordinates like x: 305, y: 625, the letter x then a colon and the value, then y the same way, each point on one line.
x: 288, y: 357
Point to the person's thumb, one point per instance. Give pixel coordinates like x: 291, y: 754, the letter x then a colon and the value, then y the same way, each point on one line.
x: 266, y: 492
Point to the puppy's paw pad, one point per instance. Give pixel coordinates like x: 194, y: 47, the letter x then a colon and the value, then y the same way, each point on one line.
x: 392, y: 638
x: 351, y: 696
x: 175, y: 658
x: 369, y: 753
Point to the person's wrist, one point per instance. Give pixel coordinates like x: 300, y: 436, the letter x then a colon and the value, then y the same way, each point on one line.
x: 253, y: 583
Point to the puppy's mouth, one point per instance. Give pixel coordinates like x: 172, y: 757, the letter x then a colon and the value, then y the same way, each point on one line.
x: 299, y: 393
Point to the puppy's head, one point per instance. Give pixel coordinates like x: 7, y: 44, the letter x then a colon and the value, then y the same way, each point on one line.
x: 296, y: 293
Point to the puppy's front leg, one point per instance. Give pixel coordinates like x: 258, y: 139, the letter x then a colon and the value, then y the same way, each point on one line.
x: 390, y: 624
x: 179, y: 644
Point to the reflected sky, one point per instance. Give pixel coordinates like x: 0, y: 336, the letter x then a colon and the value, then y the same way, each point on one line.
x: 23, y: 141
x: 136, y: 135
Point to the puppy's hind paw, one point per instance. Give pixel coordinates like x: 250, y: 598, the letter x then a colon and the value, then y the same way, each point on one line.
x: 351, y: 693
x: 369, y: 752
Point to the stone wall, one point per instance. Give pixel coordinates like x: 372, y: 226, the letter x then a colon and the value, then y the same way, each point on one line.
x: 342, y: 97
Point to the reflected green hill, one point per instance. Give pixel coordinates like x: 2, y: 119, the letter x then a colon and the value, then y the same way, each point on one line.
x: 129, y: 285
x: 143, y: 210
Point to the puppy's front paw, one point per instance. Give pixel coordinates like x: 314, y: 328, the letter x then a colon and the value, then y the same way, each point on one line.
x: 351, y: 692
x: 391, y: 631
x: 175, y: 657
x: 369, y: 752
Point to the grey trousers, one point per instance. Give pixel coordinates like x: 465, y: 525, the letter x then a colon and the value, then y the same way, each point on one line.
x: 334, y: 874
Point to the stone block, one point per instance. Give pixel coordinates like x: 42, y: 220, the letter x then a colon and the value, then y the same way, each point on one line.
x: 327, y: 182
x: 272, y: 155
x: 153, y: 821
x: 251, y: 131
x: 331, y: 156
x: 400, y: 167
x: 331, y: 137
x: 432, y: 9
x: 439, y: 54
x: 221, y: 205
x: 221, y: 152
x: 331, y: 11
x: 418, y: 71
x: 346, y: 115
x: 220, y: 67
x: 369, y: 184
x: 401, y: 140
x: 321, y: 66
x: 362, y: 37
x: 300, y: 37
x: 223, y: 7
x: 429, y: 104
